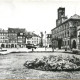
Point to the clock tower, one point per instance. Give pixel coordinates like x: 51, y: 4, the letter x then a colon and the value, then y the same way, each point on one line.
x: 61, y: 16
x: 61, y: 12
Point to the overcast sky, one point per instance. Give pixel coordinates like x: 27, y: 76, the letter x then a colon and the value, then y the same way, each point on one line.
x: 34, y: 15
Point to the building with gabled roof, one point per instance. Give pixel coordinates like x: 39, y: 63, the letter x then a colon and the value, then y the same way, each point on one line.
x: 65, y: 32
x: 16, y: 37
x: 16, y: 30
x: 33, y: 38
x: 3, y: 38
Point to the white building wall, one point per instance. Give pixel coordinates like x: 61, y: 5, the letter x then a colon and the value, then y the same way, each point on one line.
x: 34, y: 40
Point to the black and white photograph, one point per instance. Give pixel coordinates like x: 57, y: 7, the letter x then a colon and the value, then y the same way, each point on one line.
x: 40, y: 39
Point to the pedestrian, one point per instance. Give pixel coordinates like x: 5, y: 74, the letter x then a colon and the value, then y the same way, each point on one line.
x: 32, y: 49
x: 52, y: 48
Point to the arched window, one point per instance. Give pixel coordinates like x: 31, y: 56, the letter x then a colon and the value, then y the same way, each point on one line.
x: 74, y: 44
x: 2, y: 45
x: 68, y: 33
x: 65, y: 34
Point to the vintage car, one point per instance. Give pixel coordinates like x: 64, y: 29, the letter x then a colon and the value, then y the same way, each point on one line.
x: 30, y: 46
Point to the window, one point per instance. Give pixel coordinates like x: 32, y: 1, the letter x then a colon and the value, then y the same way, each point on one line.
x: 65, y: 42
x: 19, y: 37
x: 79, y: 40
x: 65, y: 34
x: 65, y: 26
x: 21, y: 33
x: 68, y: 25
x: 68, y: 42
x: 68, y: 33
x: 78, y: 24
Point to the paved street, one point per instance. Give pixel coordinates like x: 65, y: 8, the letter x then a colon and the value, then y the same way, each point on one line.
x: 11, y: 67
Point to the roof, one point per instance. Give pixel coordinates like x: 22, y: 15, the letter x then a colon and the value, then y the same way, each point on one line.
x: 16, y: 30
x: 30, y: 35
x: 53, y: 28
x: 49, y: 35
x: 4, y: 31
x: 35, y: 35
x: 61, y: 8
x: 74, y: 17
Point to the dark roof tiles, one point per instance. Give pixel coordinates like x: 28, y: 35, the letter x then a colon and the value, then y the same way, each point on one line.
x: 16, y: 30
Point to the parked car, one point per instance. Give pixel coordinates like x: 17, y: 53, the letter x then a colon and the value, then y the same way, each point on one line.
x: 29, y: 46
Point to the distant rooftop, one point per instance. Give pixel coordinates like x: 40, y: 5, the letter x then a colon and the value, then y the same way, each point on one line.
x: 16, y: 30
x: 75, y: 16
x: 35, y: 35
x: 3, y: 31
x: 61, y: 8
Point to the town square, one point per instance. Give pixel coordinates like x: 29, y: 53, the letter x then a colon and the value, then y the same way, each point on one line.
x: 39, y: 39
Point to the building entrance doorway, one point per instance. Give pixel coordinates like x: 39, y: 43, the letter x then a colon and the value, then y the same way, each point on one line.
x: 2, y: 45
x: 74, y: 44
x: 12, y: 45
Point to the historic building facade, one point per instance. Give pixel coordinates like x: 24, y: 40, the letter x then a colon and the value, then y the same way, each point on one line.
x: 49, y: 40
x: 16, y: 37
x: 21, y: 39
x: 3, y: 38
x: 65, y: 32
x: 12, y: 37
x: 33, y: 39
x: 78, y: 37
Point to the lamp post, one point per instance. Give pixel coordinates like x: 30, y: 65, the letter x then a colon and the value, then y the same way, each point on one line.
x: 45, y: 41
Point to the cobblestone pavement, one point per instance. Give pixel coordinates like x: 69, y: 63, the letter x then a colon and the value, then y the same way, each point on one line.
x: 11, y: 67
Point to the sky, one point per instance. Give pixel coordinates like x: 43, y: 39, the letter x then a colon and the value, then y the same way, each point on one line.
x: 34, y: 15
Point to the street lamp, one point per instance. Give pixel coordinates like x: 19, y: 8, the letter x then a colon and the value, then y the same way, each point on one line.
x: 45, y: 41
